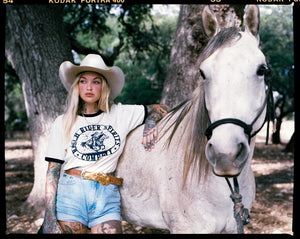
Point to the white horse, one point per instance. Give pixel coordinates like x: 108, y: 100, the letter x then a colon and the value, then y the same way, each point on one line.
x: 175, y: 186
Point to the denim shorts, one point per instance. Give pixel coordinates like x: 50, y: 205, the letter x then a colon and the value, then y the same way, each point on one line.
x: 86, y: 201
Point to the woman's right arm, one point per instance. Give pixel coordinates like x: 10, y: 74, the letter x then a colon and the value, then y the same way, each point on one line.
x: 50, y: 224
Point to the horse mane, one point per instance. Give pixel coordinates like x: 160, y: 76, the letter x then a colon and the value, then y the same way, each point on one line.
x: 221, y: 39
x: 195, y: 112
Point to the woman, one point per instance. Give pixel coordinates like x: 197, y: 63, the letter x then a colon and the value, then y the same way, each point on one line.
x: 85, y: 144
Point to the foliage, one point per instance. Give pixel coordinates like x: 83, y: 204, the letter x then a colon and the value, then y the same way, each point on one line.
x: 276, y: 37
x: 85, y: 24
x: 146, y: 70
x: 89, y: 25
x: 15, y: 114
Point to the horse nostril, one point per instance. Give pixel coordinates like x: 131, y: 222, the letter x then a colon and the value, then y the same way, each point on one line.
x: 241, y: 150
x: 210, y: 153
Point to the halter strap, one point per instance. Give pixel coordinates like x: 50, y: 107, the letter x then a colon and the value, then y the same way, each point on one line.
x: 269, y: 102
x: 247, y: 127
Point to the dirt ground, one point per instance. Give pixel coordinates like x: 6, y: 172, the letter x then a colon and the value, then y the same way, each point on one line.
x: 272, y: 212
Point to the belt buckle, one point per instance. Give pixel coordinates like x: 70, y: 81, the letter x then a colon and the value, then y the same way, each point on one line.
x: 98, y: 177
x: 102, y: 178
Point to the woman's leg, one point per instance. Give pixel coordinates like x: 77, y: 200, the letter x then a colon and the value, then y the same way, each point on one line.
x: 108, y: 227
x: 73, y: 227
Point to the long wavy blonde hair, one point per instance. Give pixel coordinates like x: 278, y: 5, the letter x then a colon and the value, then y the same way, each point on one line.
x: 75, y: 105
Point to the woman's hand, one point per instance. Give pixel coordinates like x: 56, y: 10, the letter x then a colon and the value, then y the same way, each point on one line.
x: 150, y: 134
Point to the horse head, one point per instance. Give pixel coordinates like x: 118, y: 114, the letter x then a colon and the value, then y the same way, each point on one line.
x: 233, y: 69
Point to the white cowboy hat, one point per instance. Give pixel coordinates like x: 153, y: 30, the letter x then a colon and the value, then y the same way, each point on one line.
x: 114, y: 75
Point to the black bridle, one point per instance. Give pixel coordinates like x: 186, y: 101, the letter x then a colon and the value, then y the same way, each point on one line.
x: 270, y: 114
x: 241, y: 214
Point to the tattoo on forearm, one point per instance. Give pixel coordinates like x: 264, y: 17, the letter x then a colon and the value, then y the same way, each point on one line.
x: 52, y: 181
x: 52, y: 178
x: 157, y: 112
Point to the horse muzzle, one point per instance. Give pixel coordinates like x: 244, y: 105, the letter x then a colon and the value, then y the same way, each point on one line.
x: 227, y: 156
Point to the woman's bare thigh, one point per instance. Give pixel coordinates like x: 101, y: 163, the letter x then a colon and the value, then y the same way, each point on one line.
x: 73, y: 227
x: 108, y: 227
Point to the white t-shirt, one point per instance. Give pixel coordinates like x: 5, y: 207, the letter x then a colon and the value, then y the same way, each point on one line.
x: 97, y: 140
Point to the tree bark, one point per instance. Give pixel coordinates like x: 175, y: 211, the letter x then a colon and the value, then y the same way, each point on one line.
x: 183, y: 75
x: 36, y: 44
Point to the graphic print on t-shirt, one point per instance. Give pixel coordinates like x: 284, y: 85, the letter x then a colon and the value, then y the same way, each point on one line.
x: 92, y: 142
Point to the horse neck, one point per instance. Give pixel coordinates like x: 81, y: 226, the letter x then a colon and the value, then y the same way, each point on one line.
x: 186, y: 125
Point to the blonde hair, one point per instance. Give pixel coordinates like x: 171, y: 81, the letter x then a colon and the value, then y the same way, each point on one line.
x: 75, y: 105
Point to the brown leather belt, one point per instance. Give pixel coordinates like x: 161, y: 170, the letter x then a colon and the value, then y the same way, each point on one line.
x: 102, y: 178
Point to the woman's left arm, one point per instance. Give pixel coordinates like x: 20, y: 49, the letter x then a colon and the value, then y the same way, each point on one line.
x: 155, y: 113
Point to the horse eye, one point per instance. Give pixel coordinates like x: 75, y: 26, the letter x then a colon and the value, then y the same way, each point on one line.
x: 262, y: 70
x: 202, y: 74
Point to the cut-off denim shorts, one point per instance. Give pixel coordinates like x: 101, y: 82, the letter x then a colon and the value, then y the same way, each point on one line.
x: 86, y: 201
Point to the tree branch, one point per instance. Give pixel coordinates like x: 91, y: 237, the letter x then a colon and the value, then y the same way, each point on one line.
x: 76, y: 46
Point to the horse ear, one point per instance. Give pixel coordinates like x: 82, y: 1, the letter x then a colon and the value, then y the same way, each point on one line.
x: 209, y: 22
x: 252, y: 20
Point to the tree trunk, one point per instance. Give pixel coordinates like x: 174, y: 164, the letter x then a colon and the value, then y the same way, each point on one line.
x: 36, y: 44
x: 183, y: 75
x: 289, y: 148
x: 276, y: 134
